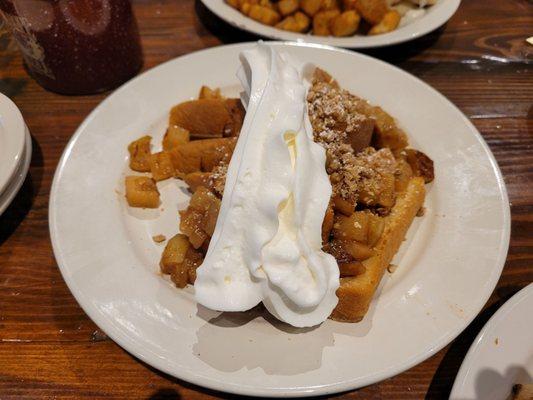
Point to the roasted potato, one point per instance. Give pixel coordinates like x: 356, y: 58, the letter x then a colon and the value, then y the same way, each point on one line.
x: 142, y: 192
x: 311, y: 7
x: 390, y: 22
x: 299, y: 22
x: 161, y: 166
x: 345, y: 24
x: 265, y: 15
x: 287, y: 7
x: 348, y: 5
x: 140, y: 154
x: 372, y: 11
x: 322, y: 21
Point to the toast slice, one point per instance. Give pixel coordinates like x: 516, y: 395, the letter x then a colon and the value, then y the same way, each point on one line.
x: 356, y: 293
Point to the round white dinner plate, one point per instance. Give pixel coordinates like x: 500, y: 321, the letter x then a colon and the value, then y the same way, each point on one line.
x: 501, y: 355
x: 12, y: 138
x: 449, y: 264
x: 436, y: 16
x: 18, y: 177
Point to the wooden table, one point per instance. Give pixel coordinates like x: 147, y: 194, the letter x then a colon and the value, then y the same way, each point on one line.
x: 50, y: 349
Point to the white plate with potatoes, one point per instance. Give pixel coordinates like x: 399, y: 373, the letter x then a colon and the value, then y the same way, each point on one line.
x: 107, y: 252
x: 354, y: 24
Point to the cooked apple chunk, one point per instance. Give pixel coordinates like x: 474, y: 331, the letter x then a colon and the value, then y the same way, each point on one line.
x: 174, y: 136
x: 174, y: 253
x: 140, y: 154
x: 161, y: 166
x: 141, y: 191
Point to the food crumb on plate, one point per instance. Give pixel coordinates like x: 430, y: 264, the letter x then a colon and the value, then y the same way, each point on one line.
x: 159, y: 238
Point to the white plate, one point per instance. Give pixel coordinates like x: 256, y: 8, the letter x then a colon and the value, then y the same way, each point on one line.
x: 12, y: 137
x: 502, y: 353
x: 449, y: 264
x: 16, y: 181
x: 435, y: 17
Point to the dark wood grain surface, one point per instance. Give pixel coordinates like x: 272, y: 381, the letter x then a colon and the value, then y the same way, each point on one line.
x: 50, y: 349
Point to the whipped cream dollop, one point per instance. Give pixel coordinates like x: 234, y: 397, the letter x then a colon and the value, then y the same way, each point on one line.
x: 267, y: 244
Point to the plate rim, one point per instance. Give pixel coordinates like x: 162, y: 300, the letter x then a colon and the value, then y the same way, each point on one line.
x: 125, y: 342
x: 358, y: 41
x: 495, y: 320
x: 16, y: 140
x: 19, y: 176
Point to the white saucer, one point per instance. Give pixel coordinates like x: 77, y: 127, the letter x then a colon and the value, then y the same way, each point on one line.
x: 12, y: 138
x: 501, y: 355
x: 13, y: 185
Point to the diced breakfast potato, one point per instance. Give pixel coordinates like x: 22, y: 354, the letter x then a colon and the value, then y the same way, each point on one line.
x: 330, y: 5
x: 234, y: 3
x: 372, y: 11
x: 390, y: 22
x: 345, y: 24
x: 265, y: 15
x: 141, y: 191
x: 161, y: 166
x: 208, y: 93
x: 174, y: 136
x: 354, y: 268
x: 299, y: 22
x: 348, y: 4
x: 322, y: 20
x: 287, y: 7
x: 174, y: 253
x: 354, y: 227
x: 140, y: 154
x: 310, y: 7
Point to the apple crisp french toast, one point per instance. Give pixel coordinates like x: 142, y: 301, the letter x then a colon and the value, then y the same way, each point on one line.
x: 377, y: 181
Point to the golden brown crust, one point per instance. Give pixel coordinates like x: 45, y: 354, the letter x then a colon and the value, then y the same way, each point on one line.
x: 355, y: 293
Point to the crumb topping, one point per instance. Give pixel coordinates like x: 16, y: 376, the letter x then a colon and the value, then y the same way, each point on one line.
x: 334, y: 114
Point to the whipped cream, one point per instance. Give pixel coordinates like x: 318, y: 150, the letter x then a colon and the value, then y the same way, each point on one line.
x: 267, y: 242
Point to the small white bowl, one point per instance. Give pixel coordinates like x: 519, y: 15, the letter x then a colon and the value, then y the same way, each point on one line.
x: 12, y: 140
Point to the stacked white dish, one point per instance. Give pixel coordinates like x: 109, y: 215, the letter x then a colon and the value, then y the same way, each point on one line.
x: 15, y: 151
